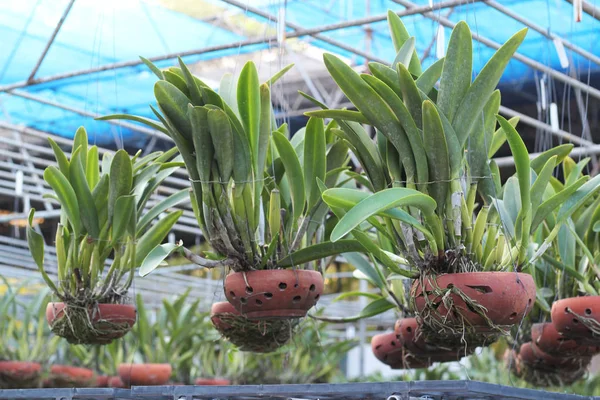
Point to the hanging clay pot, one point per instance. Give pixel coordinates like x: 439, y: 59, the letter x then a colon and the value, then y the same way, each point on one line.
x: 505, y: 297
x: 64, y: 376
x: 532, y: 356
x: 20, y: 375
x: 278, y: 293
x: 578, y: 318
x: 407, y: 331
x: 102, y: 381
x: 145, y: 374
x: 551, y: 342
x: 109, y: 322
x: 212, y: 382
x: 387, y: 348
x: 257, y: 336
x: 115, y: 382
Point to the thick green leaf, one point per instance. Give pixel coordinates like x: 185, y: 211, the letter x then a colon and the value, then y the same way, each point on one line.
x: 61, y: 158
x: 560, y: 151
x: 320, y: 251
x: 541, y: 182
x: 160, y: 207
x: 399, y: 36
x: 222, y: 139
x: 410, y: 95
x: 92, y: 170
x: 248, y: 97
x: 499, y: 137
x: 405, y: 53
x: 157, y: 256
x: 476, y: 97
x: 293, y: 171
x: 153, y: 68
x: 368, y: 295
x: 434, y: 142
x: 430, y: 76
x: 121, y: 179
x: 380, y: 202
x: 173, y: 104
x: 85, y: 200
x: 66, y: 195
x: 192, y: 86
x: 228, y: 92
x: 456, y: 75
x: 265, y: 128
x: 203, y: 146
x: 279, y: 74
x: 345, y: 115
x: 359, y: 262
x: 125, y: 207
x: 80, y: 141
x: 478, y: 151
x: 387, y: 75
x: 178, y: 82
x: 35, y: 241
x: 315, y: 161
x: 155, y: 235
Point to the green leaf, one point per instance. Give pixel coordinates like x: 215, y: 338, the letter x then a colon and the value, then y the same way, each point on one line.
x: 35, y: 241
x: 173, y: 104
x: 85, y: 200
x: 541, y: 182
x: 228, y: 92
x: 364, y: 266
x: 155, y: 235
x: 478, y: 151
x: 153, y: 68
x: 373, y: 308
x: 368, y: 295
x: 386, y: 75
x: 279, y: 74
x: 399, y: 37
x: 405, y: 53
x: 345, y: 115
x: 80, y: 141
x: 379, y: 202
x: 430, y: 76
x: 410, y: 95
x: 192, y: 86
x: 178, y: 82
x: 476, y: 97
x: 124, y: 209
x: 66, y: 196
x: 320, y: 251
x: 92, y: 169
x: 315, y: 162
x: 157, y: 256
x: 434, y: 142
x: 560, y: 151
x: 248, y: 97
x: 499, y: 137
x: 293, y: 171
x: 456, y: 75
x: 61, y: 158
x: 160, y: 207
x: 222, y: 139
x: 121, y: 179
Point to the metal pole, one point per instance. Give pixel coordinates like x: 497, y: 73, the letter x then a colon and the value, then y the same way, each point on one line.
x: 543, y: 31
x: 123, y: 124
x: 525, y: 60
x: 52, y: 37
x: 212, y: 49
x: 589, y: 9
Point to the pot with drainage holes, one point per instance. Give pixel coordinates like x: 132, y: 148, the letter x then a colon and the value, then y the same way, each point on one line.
x: 407, y: 332
x: 550, y: 341
x: 578, y: 318
x: 277, y: 293
x: 502, y: 298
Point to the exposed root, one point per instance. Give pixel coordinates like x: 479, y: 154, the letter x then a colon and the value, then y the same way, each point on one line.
x: 589, y: 322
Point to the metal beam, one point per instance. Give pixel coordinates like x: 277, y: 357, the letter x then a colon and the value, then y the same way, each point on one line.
x: 525, y: 60
x: 212, y: 49
x: 543, y: 31
x: 51, y: 40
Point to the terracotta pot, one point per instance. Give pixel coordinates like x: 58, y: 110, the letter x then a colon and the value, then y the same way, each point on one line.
x: 223, y: 307
x: 115, y: 382
x: 281, y: 293
x: 19, y: 374
x: 145, y: 374
x: 507, y: 296
x: 66, y: 376
x: 567, y: 317
x: 531, y: 355
x: 102, y: 316
x: 102, y: 381
x: 212, y: 382
x: 550, y: 341
x: 387, y: 348
x: 407, y: 331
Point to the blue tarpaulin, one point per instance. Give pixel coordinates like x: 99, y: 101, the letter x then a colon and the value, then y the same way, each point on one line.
x: 96, y: 33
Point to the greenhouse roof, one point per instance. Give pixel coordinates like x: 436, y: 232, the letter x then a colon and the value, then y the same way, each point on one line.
x: 88, y: 69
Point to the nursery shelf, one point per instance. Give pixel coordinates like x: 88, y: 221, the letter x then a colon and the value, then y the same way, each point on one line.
x: 384, y: 391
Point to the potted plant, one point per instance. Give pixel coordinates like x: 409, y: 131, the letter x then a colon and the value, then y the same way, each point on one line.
x: 434, y: 147
x: 102, y: 215
x: 26, y: 345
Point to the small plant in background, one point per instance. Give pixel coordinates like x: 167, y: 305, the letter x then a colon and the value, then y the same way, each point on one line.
x: 25, y: 346
x: 103, y: 214
x: 255, y: 193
